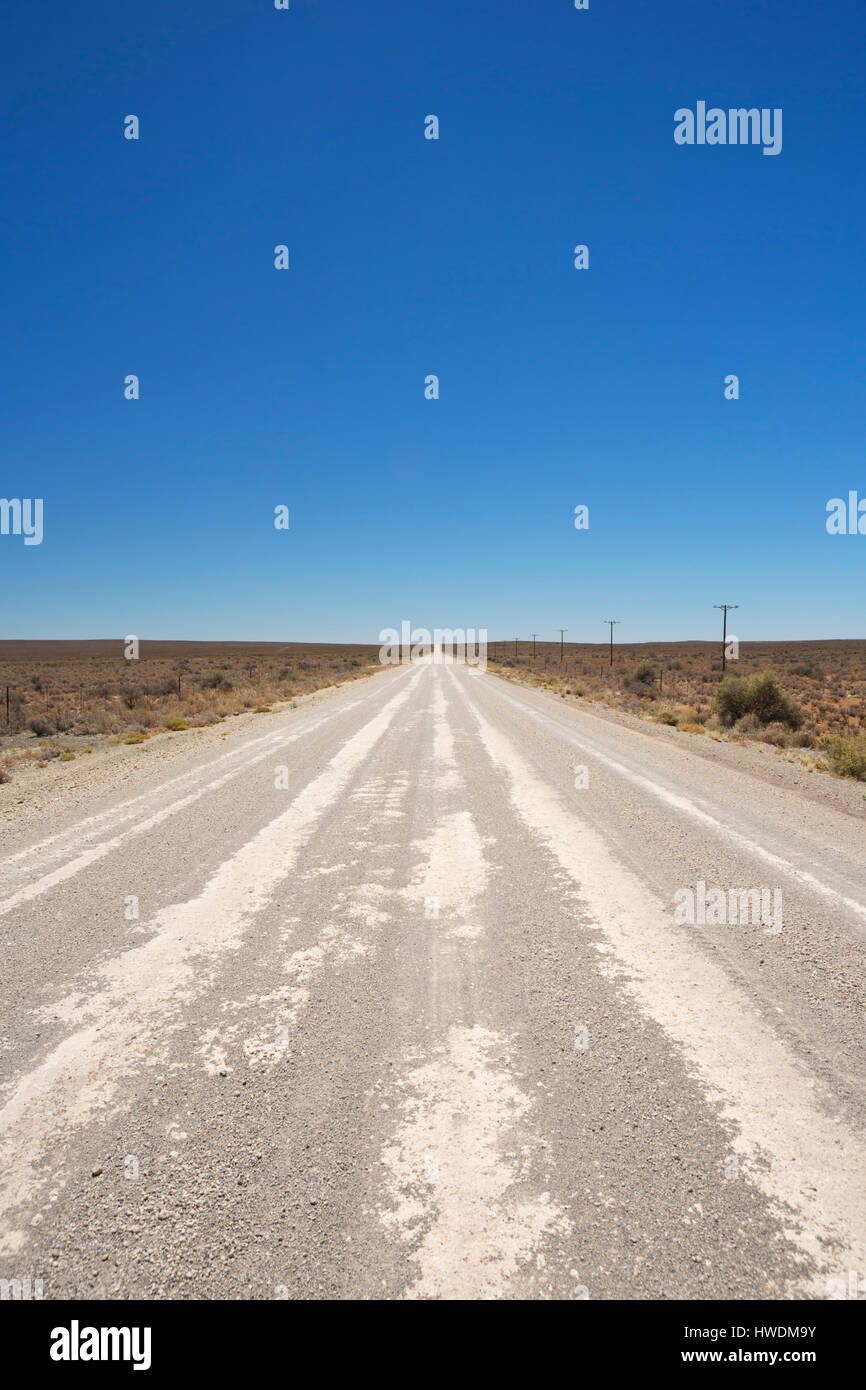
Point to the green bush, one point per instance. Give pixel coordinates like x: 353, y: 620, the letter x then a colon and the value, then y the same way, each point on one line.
x: 770, y: 702
x: 759, y: 695
x: 847, y: 756
x: 731, y: 700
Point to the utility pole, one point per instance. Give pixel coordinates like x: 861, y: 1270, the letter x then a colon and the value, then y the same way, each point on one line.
x: 562, y: 631
x: 612, y: 623
x: 515, y: 649
x: 726, y: 608
x: 533, y: 645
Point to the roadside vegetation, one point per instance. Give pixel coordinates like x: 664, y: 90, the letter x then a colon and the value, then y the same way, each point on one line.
x: 63, y: 695
x: 805, y: 699
x: 847, y: 756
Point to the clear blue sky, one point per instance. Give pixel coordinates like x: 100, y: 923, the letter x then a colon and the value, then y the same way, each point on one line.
x: 410, y: 257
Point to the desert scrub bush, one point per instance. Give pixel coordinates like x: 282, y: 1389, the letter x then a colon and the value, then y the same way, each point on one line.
x: 262, y: 709
x: 644, y: 674
x: 665, y: 715
x: 760, y: 695
x: 847, y: 756
x: 98, y: 722
x: 175, y: 726
x: 136, y: 738
x: 642, y: 681
x: 67, y: 756
x: 777, y: 734
x: 731, y: 701
x: 748, y: 725
x: 691, y: 728
x: 161, y: 688
x: 42, y: 727
x: 771, y: 703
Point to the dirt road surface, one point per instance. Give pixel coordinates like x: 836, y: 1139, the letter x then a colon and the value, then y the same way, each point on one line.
x: 390, y: 997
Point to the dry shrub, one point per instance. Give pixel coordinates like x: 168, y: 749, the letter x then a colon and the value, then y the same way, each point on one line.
x: 665, y: 715
x: 778, y: 734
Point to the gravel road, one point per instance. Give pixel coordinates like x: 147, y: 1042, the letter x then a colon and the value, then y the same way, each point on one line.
x: 396, y: 996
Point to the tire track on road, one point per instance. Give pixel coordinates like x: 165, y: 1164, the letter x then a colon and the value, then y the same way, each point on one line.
x: 804, y: 1161
x: 147, y: 987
